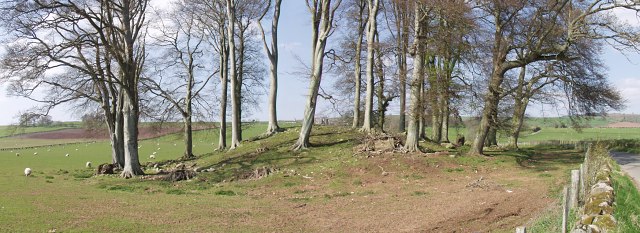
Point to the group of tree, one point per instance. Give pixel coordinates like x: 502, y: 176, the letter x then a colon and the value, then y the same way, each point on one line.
x: 125, y: 60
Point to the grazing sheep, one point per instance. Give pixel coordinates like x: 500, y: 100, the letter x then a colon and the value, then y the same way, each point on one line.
x: 27, y: 171
x: 88, y: 164
x: 152, y: 156
x: 17, y: 154
x: 158, y: 148
x: 35, y: 153
x: 155, y: 152
x: 67, y: 155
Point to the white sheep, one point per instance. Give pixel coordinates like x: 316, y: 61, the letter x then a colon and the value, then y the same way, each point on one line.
x: 35, y: 153
x: 66, y: 155
x: 155, y: 152
x: 88, y: 164
x: 27, y: 171
x: 152, y: 156
x: 17, y: 154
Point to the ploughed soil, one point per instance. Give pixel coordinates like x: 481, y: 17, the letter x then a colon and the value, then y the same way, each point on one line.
x: 623, y: 125
x: 143, y: 133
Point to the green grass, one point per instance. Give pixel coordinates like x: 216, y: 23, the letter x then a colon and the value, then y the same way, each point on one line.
x: 14, y: 130
x: 62, y: 193
x: 627, y: 210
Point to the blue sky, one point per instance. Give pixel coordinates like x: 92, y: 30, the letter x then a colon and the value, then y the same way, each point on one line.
x: 295, y: 41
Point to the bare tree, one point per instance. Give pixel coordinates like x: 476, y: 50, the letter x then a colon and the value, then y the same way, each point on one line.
x: 547, y: 29
x: 372, y: 28
x: 401, y: 15
x: 417, y: 82
x: 322, y: 15
x: 272, y: 54
x: 102, y: 40
x: 184, y: 43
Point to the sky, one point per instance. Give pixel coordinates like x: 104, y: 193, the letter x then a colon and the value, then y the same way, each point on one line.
x: 295, y: 46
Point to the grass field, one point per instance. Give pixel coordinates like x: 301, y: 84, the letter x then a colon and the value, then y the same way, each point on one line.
x: 326, y: 188
x: 13, y: 130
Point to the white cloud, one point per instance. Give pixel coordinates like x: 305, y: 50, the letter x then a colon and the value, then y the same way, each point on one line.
x: 628, y: 16
x: 630, y: 90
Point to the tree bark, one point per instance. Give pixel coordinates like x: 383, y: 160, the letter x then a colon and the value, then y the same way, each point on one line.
x: 224, y: 72
x: 382, y: 100
x: 357, y: 73
x: 130, y: 114
x: 415, y: 108
x: 521, y: 101
x: 371, y: 33
x: 235, y: 102
x: 272, y: 54
x: 490, y: 109
x: 322, y: 20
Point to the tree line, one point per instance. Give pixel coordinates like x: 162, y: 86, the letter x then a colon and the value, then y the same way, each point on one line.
x: 490, y: 58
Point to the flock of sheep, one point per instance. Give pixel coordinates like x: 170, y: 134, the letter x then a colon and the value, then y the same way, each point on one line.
x: 28, y: 171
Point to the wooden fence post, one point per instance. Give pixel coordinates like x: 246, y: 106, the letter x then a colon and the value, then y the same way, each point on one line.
x: 573, y: 193
x: 565, y: 209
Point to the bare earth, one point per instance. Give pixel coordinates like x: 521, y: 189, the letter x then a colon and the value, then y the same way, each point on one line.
x: 623, y: 125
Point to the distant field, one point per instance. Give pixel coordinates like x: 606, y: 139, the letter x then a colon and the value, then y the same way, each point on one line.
x: 12, y: 130
x: 585, y: 134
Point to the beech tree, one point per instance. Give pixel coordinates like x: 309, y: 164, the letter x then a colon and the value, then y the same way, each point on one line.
x: 372, y: 28
x: 181, y: 74
x: 272, y: 55
x: 322, y: 15
x: 417, y: 81
x: 102, y: 40
x: 547, y: 29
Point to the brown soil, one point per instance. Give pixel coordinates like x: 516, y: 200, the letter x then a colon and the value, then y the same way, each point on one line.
x: 623, y: 125
x: 143, y: 133
x: 422, y: 197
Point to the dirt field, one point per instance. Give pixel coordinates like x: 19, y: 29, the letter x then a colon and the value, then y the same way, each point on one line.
x: 623, y: 125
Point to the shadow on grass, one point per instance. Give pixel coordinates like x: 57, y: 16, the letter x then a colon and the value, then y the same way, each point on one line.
x: 546, y: 158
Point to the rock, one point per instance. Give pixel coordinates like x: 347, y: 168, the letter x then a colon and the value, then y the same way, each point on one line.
x: 578, y: 230
x: 587, y: 219
x: 593, y: 229
x: 600, y: 188
x: 605, y: 222
x: 106, y: 168
x: 452, y: 155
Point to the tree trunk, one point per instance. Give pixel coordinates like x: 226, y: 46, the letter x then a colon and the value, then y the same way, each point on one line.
x: 310, y: 107
x: 238, y: 85
x: 322, y: 20
x: 235, y: 102
x: 445, y: 120
x: 490, y: 109
x: 519, y: 107
x: 402, y: 66
x: 357, y: 73
x: 272, y: 54
x: 188, y: 137
x: 382, y: 100
x: 371, y: 33
x: 131, y: 162
x: 224, y: 72
x: 415, y: 108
